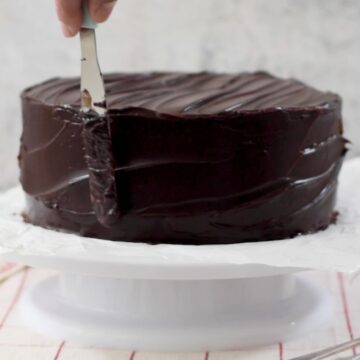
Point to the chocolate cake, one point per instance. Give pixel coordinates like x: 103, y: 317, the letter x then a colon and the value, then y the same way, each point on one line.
x: 183, y: 158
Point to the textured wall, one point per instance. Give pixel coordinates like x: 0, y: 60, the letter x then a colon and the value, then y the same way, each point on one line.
x: 317, y: 41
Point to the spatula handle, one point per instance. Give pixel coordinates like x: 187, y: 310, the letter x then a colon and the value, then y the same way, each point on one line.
x: 88, y: 22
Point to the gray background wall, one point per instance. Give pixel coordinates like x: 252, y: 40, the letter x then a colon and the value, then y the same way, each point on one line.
x: 317, y: 41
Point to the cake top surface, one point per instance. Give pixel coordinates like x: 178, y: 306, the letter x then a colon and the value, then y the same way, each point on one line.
x: 189, y: 94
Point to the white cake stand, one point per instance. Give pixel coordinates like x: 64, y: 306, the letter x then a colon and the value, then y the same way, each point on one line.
x: 152, y: 307
x: 181, y: 298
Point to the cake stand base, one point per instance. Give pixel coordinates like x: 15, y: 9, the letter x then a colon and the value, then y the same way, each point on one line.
x: 176, y: 315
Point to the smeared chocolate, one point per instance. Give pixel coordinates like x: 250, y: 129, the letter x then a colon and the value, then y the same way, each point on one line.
x: 198, y: 158
x: 101, y: 167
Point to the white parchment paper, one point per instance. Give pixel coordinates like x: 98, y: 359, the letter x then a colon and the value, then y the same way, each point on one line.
x: 337, y: 248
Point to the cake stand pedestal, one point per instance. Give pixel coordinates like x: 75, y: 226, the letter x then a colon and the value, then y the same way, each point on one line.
x: 173, y: 308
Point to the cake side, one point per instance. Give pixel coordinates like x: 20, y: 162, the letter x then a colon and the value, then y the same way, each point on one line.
x: 198, y: 176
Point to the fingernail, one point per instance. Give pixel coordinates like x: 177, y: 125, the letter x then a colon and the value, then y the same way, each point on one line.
x: 68, y: 31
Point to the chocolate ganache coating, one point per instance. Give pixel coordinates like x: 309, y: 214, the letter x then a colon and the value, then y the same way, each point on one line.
x: 183, y: 158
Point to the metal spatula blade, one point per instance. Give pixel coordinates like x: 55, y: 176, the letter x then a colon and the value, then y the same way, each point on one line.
x: 92, y: 83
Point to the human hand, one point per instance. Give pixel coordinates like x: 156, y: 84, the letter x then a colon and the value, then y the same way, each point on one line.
x: 70, y: 13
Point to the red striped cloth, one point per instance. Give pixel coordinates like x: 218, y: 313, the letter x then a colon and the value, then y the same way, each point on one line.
x: 18, y: 342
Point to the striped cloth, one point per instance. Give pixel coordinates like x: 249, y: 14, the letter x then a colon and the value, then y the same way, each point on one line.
x: 19, y: 343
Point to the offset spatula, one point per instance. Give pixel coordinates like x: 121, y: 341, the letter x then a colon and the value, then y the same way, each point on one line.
x: 96, y: 129
x: 92, y: 83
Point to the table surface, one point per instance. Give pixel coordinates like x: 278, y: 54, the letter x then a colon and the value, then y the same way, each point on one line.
x: 17, y: 342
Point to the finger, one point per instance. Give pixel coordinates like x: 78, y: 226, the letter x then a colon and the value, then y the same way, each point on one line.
x: 70, y: 14
x: 100, y: 10
x: 68, y: 31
